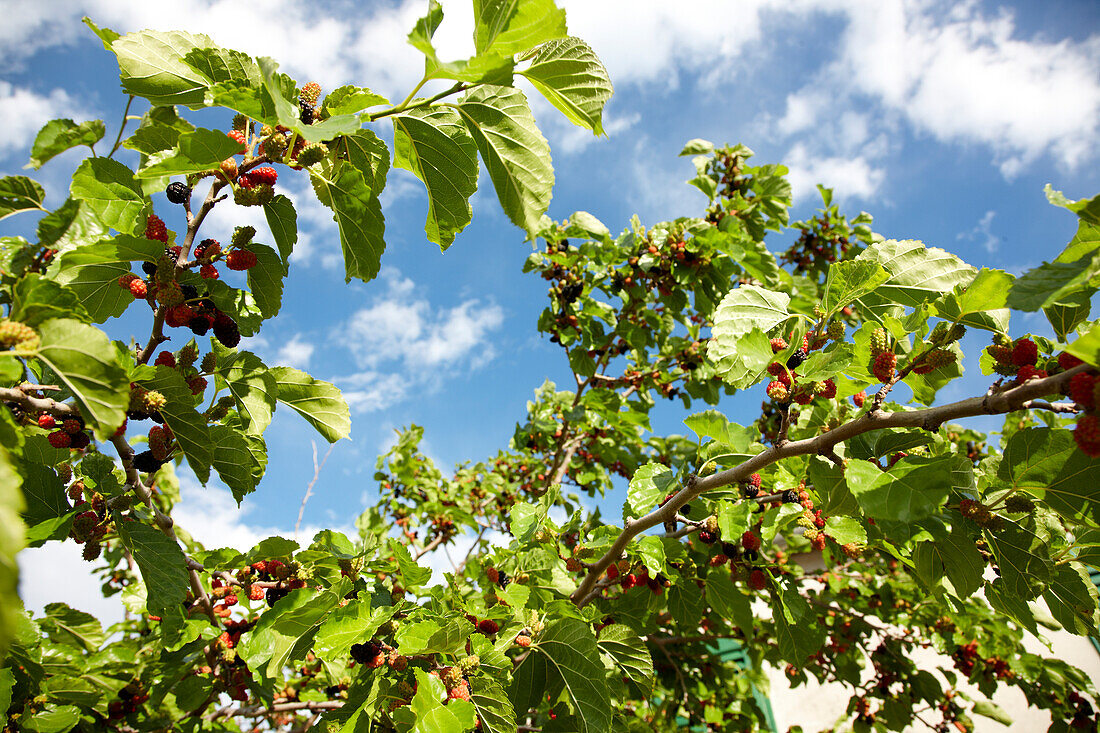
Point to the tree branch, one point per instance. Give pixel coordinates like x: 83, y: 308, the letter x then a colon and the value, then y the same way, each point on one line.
x: 992, y: 403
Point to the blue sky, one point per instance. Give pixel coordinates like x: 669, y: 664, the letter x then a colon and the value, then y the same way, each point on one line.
x: 942, y: 119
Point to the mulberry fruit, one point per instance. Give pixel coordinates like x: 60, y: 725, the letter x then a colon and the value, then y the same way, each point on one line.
x: 758, y: 580
x: 1025, y: 353
x: 178, y: 193
x: 18, y: 336
x: 1082, y: 390
x: 310, y: 93
x: 226, y: 331
x: 859, y: 398
x: 1029, y: 371
x: 46, y: 422
x: 240, y: 259
x: 1087, y: 435
x: 778, y: 345
x: 883, y: 366
x: 1068, y: 361
x: 240, y: 137
x: 878, y: 341
x: 312, y: 154
x: 795, y: 360
x: 155, y: 229
x: 146, y: 462
x: 750, y: 541
x: 778, y: 391
x: 488, y: 626
x: 836, y: 331
x: 264, y: 176
x: 242, y: 236
x: 60, y: 439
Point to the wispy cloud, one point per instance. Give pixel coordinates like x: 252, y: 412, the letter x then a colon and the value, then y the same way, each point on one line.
x: 982, y: 233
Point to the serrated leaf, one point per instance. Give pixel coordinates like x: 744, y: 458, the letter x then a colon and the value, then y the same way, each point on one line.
x: 917, y: 273
x: 288, y: 114
x: 845, y: 530
x: 111, y: 192
x: 514, y: 150
x: 71, y: 225
x: 1023, y: 557
x: 188, y: 426
x: 742, y: 310
x: 223, y: 64
x: 19, y: 193
x: 234, y: 460
x: 713, y: 424
x: 914, y: 487
x: 369, y: 155
x: 351, y: 624
x: 86, y: 362
x: 992, y: 711
x: 1071, y: 597
x: 570, y: 648
x: 36, y: 299
x: 161, y: 562
x: 12, y: 540
x: 265, y: 279
x: 431, y: 714
x: 822, y: 365
x: 979, y: 304
x: 1052, y: 282
x: 727, y: 601
x: 282, y: 220
x: 53, y: 719
x: 1087, y: 209
x: 828, y: 480
x: 796, y: 628
x: 151, y: 65
x: 357, y: 213
x: 685, y: 603
x: 412, y: 574
x: 629, y: 651
x: 850, y: 280
x: 745, y: 365
x: 68, y: 626
x: 436, y: 146
x: 195, y: 151
x: 571, y: 77
x: 92, y: 272
x: 1047, y: 464
x: 649, y: 486
x: 251, y: 384
x: 493, y: 707
x: 57, y: 136
x: 351, y: 99
x: 509, y: 26
x: 320, y: 403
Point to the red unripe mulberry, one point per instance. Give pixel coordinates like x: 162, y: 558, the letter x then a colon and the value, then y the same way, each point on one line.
x: 750, y: 541
x: 1025, y: 353
x: 488, y: 626
x: 1081, y: 390
x: 758, y: 580
x: 1068, y: 361
x: 1086, y: 434
x: 60, y: 439
x: 240, y: 259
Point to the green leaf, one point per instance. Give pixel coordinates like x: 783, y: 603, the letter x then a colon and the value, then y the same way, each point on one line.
x: 19, y: 193
x: 845, y: 530
x: 351, y: 99
x: 713, y: 424
x: 742, y: 310
x: 436, y: 146
x: 493, y: 707
x: 151, y: 65
x: 412, y: 574
x: 110, y: 191
x: 1071, y: 598
x: 1087, y: 348
x: 432, y: 716
x: 86, y: 362
x: 92, y: 272
x: 507, y: 27
x: 53, y: 719
x: 822, y: 365
x: 282, y: 220
x: 222, y: 65
x: 188, y: 426
x: 351, y: 624
x: 369, y: 155
x: 265, y: 279
x: 573, y: 656
x: 161, y: 562
x: 775, y: 519
x: 235, y: 461
x: 1047, y: 464
x: 357, y: 213
x: 570, y: 75
x: 980, y: 304
x: 195, y: 151
x: 251, y: 383
x: 727, y: 601
x: 275, y: 638
x: 12, y: 540
x: 57, y: 136
x: 288, y: 114
x: 914, y: 487
x: 697, y: 146
x: 960, y: 560
x: 1023, y: 557
x: 746, y: 364
x: 1052, y: 282
x: 1070, y: 312
x: 796, y: 627
x: 917, y: 273
x: 1087, y: 209
x: 71, y: 225
x: 685, y: 603
x: 318, y: 402
x: 36, y: 299
x: 829, y: 482
x: 649, y: 486
x: 628, y: 650
x: 65, y: 625
x: 515, y: 152
x: 849, y: 281
x: 992, y: 711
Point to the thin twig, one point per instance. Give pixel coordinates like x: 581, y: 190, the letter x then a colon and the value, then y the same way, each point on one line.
x: 122, y: 126
x: 309, y: 489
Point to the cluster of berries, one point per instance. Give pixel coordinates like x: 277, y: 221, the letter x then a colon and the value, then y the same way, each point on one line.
x: 820, y: 243
x: 636, y: 577
x: 1019, y: 358
x: 967, y: 658
x: 980, y: 514
x: 784, y: 386
x: 883, y: 359
x: 130, y: 699
x: 69, y: 433
x: 91, y: 525
x: 18, y: 336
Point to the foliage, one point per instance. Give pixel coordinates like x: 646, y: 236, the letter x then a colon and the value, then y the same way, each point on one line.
x: 835, y: 536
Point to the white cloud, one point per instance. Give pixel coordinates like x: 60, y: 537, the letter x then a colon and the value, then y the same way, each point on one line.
x: 849, y: 177
x: 56, y: 573
x: 402, y: 332
x: 983, y: 233
x: 23, y: 112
